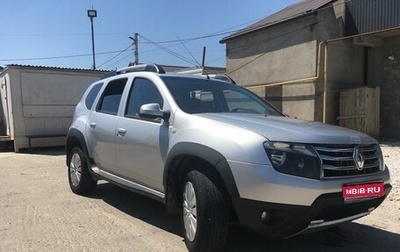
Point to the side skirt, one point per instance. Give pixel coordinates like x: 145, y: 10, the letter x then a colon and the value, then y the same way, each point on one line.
x: 132, y: 186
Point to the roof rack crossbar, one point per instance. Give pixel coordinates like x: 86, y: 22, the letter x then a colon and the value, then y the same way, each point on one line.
x: 136, y: 68
x: 142, y: 67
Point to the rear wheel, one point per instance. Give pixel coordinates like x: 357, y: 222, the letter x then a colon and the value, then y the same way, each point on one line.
x: 205, y: 213
x: 79, y: 177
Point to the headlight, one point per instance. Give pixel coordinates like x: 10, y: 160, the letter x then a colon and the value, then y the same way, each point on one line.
x: 294, y: 159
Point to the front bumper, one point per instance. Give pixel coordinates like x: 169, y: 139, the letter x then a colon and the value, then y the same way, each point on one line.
x: 284, y: 220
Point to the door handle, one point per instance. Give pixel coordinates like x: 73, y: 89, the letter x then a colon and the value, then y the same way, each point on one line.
x: 121, y: 132
x: 92, y: 125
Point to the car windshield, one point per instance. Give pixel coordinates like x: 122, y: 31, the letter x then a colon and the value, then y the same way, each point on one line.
x: 195, y: 95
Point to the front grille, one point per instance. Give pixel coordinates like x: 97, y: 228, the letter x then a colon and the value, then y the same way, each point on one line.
x: 339, y: 161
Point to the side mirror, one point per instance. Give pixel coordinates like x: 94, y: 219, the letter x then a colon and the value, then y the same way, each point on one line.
x: 153, y: 111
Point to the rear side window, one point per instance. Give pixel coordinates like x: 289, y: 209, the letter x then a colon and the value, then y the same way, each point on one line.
x: 109, y: 102
x: 91, y: 96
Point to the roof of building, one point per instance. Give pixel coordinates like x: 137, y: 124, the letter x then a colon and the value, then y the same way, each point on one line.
x: 167, y: 68
x: 302, y: 8
x: 54, y: 68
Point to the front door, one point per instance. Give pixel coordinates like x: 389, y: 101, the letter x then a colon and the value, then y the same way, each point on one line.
x: 141, y: 144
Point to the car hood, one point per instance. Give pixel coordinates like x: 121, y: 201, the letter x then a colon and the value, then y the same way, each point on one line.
x: 285, y: 129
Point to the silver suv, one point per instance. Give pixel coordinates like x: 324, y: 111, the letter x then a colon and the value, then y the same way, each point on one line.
x: 215, y: 152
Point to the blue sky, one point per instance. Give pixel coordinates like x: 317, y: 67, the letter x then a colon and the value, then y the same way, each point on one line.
x: 57, y: 32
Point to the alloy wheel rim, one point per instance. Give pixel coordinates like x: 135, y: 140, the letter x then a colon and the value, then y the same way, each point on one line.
x: 75, y: 169
x: 190, y: 211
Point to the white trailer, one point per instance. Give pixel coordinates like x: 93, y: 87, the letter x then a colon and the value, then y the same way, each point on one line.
x: 37, y: 103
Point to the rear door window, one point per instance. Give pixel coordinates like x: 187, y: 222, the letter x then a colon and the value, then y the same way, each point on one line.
x: 111, y: 97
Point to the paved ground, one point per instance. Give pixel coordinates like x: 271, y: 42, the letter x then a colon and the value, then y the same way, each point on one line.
x: 38, y: 212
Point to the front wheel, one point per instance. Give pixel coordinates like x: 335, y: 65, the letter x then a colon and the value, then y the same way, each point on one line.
x: 80, y: 180
x: 205, y: 213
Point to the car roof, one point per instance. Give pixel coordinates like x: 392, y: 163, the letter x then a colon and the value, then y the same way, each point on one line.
x: 157, y: 69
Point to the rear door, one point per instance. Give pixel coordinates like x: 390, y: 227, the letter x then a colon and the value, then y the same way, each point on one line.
x: 141, y: 144
x: 102, y: 124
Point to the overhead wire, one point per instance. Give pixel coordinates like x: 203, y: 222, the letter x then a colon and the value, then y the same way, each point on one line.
x: 158, y: 44
x: 118, y: 54
x: 177, y: 42
x: 123, y: 58
x: 183, y: 44
x: 177, y: 55
x: 220, y: 33
x: 59, y: 57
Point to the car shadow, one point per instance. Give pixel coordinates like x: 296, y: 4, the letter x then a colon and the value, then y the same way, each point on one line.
x: 138, y: 206
x: 346, y: 237
x: 46, y: 151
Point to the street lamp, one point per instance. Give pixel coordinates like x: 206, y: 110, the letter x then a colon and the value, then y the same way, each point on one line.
x: 92, y: 14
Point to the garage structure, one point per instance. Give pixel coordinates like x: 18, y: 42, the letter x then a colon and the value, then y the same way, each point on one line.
x: 37, y: 103
x: 305, y: 58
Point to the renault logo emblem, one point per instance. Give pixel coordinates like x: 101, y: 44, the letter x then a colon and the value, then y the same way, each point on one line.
x: 358, y: 159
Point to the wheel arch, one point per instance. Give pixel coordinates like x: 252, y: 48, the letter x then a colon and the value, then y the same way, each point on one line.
x: 185, y: 156
x: 76, y: 138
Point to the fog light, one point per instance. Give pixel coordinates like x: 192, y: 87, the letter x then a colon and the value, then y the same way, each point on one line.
x: 265, y: 217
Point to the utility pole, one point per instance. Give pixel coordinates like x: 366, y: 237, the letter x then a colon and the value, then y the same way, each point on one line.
x: 135, y: 42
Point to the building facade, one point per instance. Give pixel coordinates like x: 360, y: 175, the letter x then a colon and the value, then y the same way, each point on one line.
x: 303, y: 57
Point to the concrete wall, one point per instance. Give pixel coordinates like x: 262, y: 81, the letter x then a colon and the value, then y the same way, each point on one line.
x: 344, y: 70
x: 289, y: 51
x: 262, y: 57
x: 389, y: 59
x: 43, y: 102
x: 275, y: 55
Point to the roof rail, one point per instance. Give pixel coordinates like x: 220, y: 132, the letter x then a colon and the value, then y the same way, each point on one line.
x: 136, y: 68
x: 142, y: 67
x: 223, y: 77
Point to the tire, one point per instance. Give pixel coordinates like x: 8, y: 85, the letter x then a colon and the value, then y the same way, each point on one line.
x: 79, y: 177
x: 204, y: 214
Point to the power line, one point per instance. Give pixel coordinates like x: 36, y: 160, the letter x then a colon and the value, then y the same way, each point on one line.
x: 177, y: 55
x: 59, y: 57
x: 215, y: 34
x: 155, y: 43
x: 123, y: 58
x: 189, y: 39
x: 119, y: 53
x: 183, y: 44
